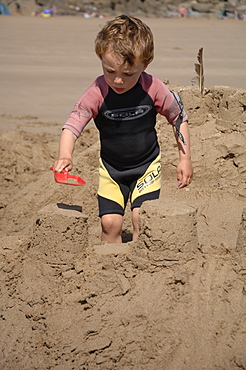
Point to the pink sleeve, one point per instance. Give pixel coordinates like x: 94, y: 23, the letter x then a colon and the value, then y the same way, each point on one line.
x: 87, y: 106
x: 163, y: 99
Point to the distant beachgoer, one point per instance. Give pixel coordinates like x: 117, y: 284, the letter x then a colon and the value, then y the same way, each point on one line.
x: 224, y: 14
x: 183, y: 11
x: 4, y: 10
x: 48, y: 12
x: 124, y: 103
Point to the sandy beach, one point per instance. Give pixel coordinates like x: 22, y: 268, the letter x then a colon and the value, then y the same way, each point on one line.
x: 48, y: 62
x: 175, y: 298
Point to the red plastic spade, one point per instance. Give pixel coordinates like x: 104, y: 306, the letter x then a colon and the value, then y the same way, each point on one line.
x: 64, y: 176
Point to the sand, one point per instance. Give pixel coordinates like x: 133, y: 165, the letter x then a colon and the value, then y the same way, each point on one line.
x: 173, y: 299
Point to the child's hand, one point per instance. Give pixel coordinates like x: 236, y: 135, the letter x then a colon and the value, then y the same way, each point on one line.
x: 184, y: 173
x: 67, y: 142
x: 63, y: 163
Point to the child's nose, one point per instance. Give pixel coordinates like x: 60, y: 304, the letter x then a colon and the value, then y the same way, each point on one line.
x: 118, y: 80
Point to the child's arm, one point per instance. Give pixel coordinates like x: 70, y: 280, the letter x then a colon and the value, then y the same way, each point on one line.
x: 67, y: 144
x: 184, y: 169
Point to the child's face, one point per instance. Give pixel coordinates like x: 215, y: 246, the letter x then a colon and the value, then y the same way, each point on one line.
x: 120, y: 77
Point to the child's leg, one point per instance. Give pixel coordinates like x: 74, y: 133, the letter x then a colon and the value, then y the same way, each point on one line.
x: 112, y: 197
x: 135, y: 222
x: 111, y: 228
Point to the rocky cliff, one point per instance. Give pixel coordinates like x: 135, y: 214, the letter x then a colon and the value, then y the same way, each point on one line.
x: 158, y: 8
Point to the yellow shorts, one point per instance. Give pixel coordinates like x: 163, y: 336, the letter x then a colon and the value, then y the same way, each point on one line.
x: 137, y: 184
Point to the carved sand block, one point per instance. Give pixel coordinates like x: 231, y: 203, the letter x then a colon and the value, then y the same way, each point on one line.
x: 60, y: 232
x: 168, y: 230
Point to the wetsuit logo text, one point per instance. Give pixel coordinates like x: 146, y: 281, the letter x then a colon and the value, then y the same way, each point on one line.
x: 149, y: 179
x: 125, y: 114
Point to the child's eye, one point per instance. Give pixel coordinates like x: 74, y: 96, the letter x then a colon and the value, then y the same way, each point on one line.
x: 129, y: 74
x: 109, y: 71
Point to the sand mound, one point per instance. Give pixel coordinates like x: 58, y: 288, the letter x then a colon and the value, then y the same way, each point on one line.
x: 174, y: 299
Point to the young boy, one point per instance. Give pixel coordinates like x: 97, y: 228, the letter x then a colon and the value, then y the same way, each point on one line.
x: 124, y: 102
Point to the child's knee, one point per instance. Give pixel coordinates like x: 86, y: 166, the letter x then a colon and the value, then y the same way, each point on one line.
x: 111, y: 223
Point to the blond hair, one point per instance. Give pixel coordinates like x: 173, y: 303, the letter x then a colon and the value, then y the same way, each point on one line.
x: 128, y: 37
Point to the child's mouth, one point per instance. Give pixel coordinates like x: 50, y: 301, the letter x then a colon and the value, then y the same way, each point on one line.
x: 118, y: 89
